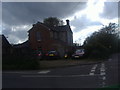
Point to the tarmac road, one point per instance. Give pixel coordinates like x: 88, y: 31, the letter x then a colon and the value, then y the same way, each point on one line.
x: 97, y: 75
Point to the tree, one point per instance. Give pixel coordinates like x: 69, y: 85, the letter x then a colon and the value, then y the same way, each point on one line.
x: 103, y: 42
x: 52, y: 21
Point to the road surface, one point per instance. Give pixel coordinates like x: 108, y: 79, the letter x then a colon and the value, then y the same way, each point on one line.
x: 84, y: 76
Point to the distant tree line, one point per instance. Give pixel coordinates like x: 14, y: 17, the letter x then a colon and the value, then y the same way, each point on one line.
x: 104, y: 42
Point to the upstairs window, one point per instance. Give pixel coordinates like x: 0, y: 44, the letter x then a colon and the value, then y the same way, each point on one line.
x: 51, y: 34
x: 38, y: 36
x: 55, y: 35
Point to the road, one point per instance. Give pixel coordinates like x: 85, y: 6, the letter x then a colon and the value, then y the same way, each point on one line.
x: 84, y: 76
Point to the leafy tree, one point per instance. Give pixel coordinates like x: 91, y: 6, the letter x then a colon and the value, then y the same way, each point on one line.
x: 103, y: 42
x: 52, y: 21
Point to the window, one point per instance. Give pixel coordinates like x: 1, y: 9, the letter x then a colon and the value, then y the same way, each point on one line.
x: 38, y: 36
x: 51, y: 34
x: 55, y: 35
x: 63, y: 36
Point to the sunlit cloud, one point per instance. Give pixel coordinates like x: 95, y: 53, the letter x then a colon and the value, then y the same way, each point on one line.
x: 92, y: 12
x: 0, y: 27
x: 20, y: 41
x: 20, y: 28
x: 73, y: 28
x: 94, y: 9
x: 83, y: 34
x: 15, y: 39
x: 107, y: 21
x: 16, y: 34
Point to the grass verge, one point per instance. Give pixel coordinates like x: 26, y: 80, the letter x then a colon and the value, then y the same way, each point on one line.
x: 46, y: 64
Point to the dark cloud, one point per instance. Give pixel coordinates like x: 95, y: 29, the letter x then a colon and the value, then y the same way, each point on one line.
x: 110, y: 10
x: 27, y: 13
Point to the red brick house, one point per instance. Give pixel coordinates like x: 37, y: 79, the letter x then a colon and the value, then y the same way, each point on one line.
x: 59, y: 38
x: 6, y: 46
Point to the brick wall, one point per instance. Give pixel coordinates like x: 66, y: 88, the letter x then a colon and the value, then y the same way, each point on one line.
x: 45, y: 41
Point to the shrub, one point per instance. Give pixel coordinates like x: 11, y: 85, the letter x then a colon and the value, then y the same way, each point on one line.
x: 19, y: 63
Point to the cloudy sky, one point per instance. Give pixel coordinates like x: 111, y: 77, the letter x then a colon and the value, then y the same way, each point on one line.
x: 85, y: 17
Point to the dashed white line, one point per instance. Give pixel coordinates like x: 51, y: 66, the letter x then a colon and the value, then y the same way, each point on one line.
x: 44, y: 72
x: 102, y: 73
x: 27, y: 72
x: 94, y: 67
x: 12, y: 72
x: 55, y: 76
x: 110, y: 59
x: 102, y: 69
x: 103, y: 78
x: 93, y: 70
x: 103, y: 84
x: 91, y: 73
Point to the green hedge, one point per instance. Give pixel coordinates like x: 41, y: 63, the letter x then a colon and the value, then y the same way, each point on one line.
x: 19, y: 63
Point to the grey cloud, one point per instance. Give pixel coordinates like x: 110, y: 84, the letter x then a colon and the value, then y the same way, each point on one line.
x: 110, y: 10
x: 14, y: 36
x: 83, y: 22
x: 119, y: 9
x: 0, y: 14
x: 27, y: 13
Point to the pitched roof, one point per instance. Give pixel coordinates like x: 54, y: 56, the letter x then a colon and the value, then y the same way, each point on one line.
x: 22, y: 45
x: 39, y: 23
x: 5, y: 42
x: 63, y: 28
x: 57, y: 28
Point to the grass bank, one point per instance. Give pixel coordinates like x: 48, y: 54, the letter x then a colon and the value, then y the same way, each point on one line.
x: 46, y: 64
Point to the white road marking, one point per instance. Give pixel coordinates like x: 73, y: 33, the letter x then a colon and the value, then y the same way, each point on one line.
x: 109, y: 59
x: 94, y: 67
x: 103, y: 84
x: 93, y: 70
x: 103, y: 78
x: 55, y: 76
x: 102, y: 69
x: 27, y: 72
x: 11, y: 72
x: 91, y: 74
x: 44, y: 72
x: 102, y: 73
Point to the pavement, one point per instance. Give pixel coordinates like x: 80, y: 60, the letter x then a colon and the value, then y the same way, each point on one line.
x: 89, y: 75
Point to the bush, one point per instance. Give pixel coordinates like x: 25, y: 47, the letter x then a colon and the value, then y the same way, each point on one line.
x: 19, y: 63
x: 103, y: 43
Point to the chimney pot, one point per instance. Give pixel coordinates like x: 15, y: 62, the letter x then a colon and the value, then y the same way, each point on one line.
x: 67, y: 21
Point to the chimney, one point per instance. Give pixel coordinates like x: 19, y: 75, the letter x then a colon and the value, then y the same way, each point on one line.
x: 67, y: 21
